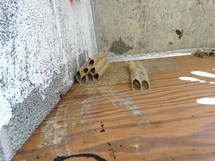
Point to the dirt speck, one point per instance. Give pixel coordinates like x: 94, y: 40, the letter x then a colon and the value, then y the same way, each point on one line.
x: 179, y: 33
x: 119, y: 47
x: 102, y: 126
x: 39, y: 156
x: 114, y: 153
x: 109, y: 144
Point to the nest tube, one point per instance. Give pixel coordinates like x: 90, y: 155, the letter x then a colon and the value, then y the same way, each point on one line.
x: 93, y: 69
x: 136, y: 80
x: 83, y: 80
x: 211, y: 52
x: 204, y: 53
x: 145, y: 81
x: 96, y: 59
x: 101, y: 72
x: 98, y: 66
x: 89, y: 77
x: 139, y: 76
x: 131, y: 66
x: 78, y: 76
x: 143, y: 75
x: 83, y: 71
x: 86, y: 78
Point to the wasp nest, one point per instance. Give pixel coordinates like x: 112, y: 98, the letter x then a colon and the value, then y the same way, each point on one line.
x: 139, y: 76
x: 204, y: 53
x: 93, y: 69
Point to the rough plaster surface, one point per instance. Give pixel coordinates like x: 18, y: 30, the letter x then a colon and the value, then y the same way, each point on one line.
x: 42, y: 44
x: 146, y: 26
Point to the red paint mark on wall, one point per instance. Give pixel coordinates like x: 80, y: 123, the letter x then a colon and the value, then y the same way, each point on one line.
x: 71, y: 1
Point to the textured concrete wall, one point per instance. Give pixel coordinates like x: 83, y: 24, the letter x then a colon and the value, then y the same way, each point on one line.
x: 127, y: 27
x: 42, y: 44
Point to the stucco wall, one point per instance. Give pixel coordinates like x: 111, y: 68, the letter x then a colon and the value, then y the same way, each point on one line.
x: 42, y: 44
x: 130, y: 27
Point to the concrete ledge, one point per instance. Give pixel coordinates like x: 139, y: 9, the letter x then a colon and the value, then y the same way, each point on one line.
x: 152, y: 55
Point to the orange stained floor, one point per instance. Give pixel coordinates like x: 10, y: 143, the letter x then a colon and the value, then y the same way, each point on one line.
x: 106, y: 121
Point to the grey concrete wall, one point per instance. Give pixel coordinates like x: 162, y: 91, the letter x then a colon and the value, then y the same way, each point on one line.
x: 130, y: 27
x: 42, y: 43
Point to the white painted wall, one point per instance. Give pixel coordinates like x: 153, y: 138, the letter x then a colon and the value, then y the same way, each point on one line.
x: 42, y: 44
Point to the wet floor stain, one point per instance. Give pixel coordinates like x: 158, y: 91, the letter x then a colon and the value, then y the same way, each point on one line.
x: 119, y: 98
x: 119, y: 47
